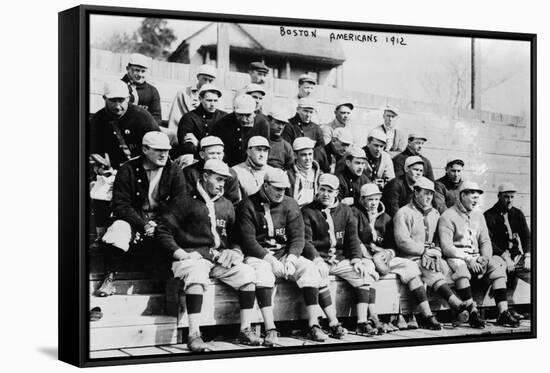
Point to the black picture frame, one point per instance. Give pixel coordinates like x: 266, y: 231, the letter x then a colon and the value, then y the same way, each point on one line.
x: 74, y: 88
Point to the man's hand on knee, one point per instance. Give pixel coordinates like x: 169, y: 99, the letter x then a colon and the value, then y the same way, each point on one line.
x: 230, y: 257
x: 181, y: 254
x: 321, y: 266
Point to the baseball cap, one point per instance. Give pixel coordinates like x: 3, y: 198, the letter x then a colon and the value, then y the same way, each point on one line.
x: 452, y: 161
x: 306, y: 78
x: 139, y: 60
x: 343, y: 135
x: 277, y: 178
x: 207, y: 70
x: 378, y: 134
x: 470, y: 186
x: 392, y: 109
x: 329, y: 180
x: 424, y: 183
x: 416, y: 135
x: 156, y: 140
x: 258, y: 141
x: 306, y: 102
x: 210, y: 141
x: 370, y: 190
x: 345, y: 103
x: 280, y: 113
x: 244, y: 104
x: 413, y: 160
x: 301, y: 143
x: 116, y: 89
x: 210, y: 88
x: 260, y: 66
x: 253, y: 87
x: 507, y: 187
x: 355, y: 152
x: 217, y: 166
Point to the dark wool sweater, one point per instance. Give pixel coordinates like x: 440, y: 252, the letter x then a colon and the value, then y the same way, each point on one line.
x: 399, y: 164
x: 281, y: 154
x: 133, y: 125
x: 396, y: 194
x: 446, y: 193
x: 317, y: 232
x: 149, y: 97
x: 199, y: 122
x: 296, y: 128
x: 192, y: 174
x: 235, y: 137
x: 186, y: 225
x: 383, y: 226
x: 497, y: 229
x: 131, y: 187
x: 350, y: 184
x: 252, y: 227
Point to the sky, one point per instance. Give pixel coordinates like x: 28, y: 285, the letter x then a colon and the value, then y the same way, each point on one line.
x: 413, y: 71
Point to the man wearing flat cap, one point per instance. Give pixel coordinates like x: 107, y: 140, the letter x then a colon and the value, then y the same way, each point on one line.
x: 187, y: 99
x: 353, y: 177
x: 141, y: 92
x: 271, y: 235
x: 257, y: 92
x: 509, y: 232
x: 399, y: 191
x: 466, y: 246
x: 375, y: 229
x: 197, y: 232
x: 251, y: 172
x: 342, y: 115
x: 258, y: 72
x: 281, y: 154
x: 447, y: 187
x: 336, y: 149
x: 304, y: 174
x: 334, y: 247
x: 306, y: 86
x: 396, y: 140
x: 414, y: 148
x: 379, y: 163
x: 198, y: 123
x: 236, y: 128
x: 301, y: 125
x: 143, y: 188
x: 212, y: 147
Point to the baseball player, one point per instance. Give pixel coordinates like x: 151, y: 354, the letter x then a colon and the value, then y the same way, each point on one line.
x: 415, y: 227
x: 212, y: 147
x: 141, y: 92
x: 198, y: 233
x: 271, y: 231
x: 187, y: 100
x: 333, y: 245
x: 142, y: 189
x: 414, y: 148
x: 257, y: 92
x: 281, y: 154
x: 336, y: 149
x: 304, y: 174
x: 352, y: 178
x: 251, y: 172
x: 235, y: 129
x: 399, y: 191
x: 447, y: 187
x: 198, y: 123
x: 306, y: 86
x: 396, y: 141
x: 258, y: 72
x: 467, y: 248
x: 342, y: 115
x: 379, y: 163
x: 375, y: 229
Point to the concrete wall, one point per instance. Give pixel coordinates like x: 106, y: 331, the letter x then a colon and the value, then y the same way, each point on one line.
x: 496, y: 147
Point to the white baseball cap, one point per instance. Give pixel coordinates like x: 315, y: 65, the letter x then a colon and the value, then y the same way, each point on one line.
x: 207, y: 70
x: 218, y: 166
x: 343, y: 135
x: 301, y: 143
x: 211, y: 141
x: 210, y: 88
x: 156, y: 140
x: 116, y: 89
x: 244, y: 104
x: 139, y: 59
x: 258, y: 141
x: 329, y: 180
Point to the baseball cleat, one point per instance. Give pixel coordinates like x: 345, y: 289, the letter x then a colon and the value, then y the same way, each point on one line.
x: 431, y: 323
x: 317, y: 334
x: 516, y: 315
x: 365, y: 328
x: 475, y: 320
x: 271, y: 337
x: 248, y: 337
x: 195, y: 343
x: 412, y: 324
x: 338, y: 331
x: 401, y: 323
x: 506, y: 319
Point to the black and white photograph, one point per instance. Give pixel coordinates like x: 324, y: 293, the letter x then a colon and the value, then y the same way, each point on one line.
x: 272, y: 186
